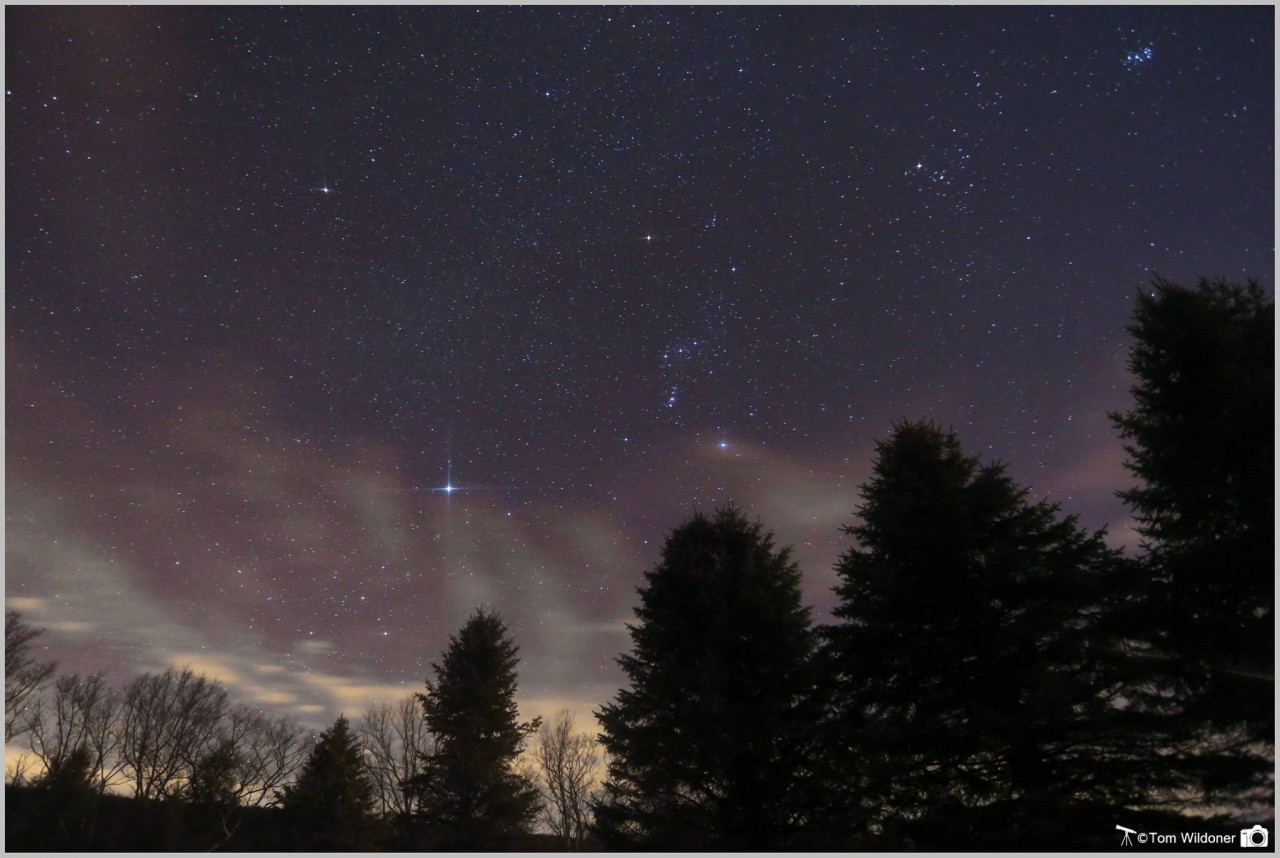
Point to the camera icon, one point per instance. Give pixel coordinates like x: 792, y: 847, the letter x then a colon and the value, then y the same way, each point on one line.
x: 1256, y: 837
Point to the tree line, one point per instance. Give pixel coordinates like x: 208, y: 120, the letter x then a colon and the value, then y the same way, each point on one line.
x: 444, y: 768
x: 995, y: 676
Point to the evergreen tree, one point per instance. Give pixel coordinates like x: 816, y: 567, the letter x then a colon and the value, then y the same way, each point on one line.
x: 470, y: 795
x: 330, y: 805
x: 68, y: 802
x: 1201, y: 441
x: 710, y: 746
x: 213, y: 778
x: 976, y: 680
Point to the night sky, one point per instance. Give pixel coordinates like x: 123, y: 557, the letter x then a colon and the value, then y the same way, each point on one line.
x: 276, y: 278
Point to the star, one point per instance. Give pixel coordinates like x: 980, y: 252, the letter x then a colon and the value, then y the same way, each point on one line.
x: 491, y: 281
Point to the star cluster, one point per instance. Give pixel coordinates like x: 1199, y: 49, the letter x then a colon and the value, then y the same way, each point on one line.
x: 326, y: 325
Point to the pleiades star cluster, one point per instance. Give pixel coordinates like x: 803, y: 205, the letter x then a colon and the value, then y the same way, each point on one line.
x: 325, y: 326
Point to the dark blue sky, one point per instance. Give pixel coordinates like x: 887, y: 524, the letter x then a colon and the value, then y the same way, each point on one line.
x: 274, y: 275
